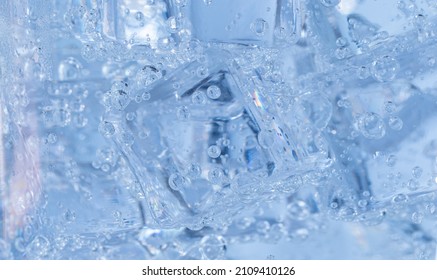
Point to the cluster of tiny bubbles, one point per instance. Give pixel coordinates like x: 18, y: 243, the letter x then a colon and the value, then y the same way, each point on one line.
x: 371, y: 125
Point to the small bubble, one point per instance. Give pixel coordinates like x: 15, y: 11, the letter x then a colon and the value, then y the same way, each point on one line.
x: 413, y: 185
x: 266, y: 139
x: 280, y: 32
x: 384, y: 69
x: 215, y: 175
x: 417, y: 172
x: 127, y: 139
x: 391, y: 160
x: 417, y: 217
x: 362, y: 203
x: 202, y: 71
x: 198, y: 98
x: 146, y: 96
x: 431, y: 208
x: 363, y: 72
x: 183, y: 113
x: 298, y: 210
x: 120, y: 95
x: 214, y: 151
x: 213, y: 92
x: 194, y: 171
x: 147, y: 75
x: 39, y: 247
x: 181, y: 3
x: 130, y: 116
x: 173, y: 25
x: 52, y: 138
x: 259, y: 26
x: 263, y: 227
x: 400, y: 198
x: 390, y: 107
x: 178, y: 182
x: 334, y: 205
x: 371, y: 126
x: 213, y: 247
x: 106, y: 128
x: 105, y: 167
x: 139, y: 16
x: 69, y: 216
x: 341, y: 42
x: 395, y: 123
x: 69, y: 69
x: 330, y: 3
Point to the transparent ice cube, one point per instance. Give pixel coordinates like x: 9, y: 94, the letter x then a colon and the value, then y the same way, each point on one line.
x: 194, y: 155
x: 246, y: 22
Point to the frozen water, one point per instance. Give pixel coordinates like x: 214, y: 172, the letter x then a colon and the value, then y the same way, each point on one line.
x: 178, y: 129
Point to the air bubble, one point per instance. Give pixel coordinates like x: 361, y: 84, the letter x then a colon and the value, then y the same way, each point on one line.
x: 183, y: 113
x: 147, y: 76
x: 391, y: 160
x: 194, y: 171
x: 139, y: 16
x: 417, y: 217
x: 120, y: 95
x: 417, y: 172
x: 330, y: 3
x: 130, y: 116
x: 395, y: 123
x: 298, y: 210
x: 213, y: 92
x: 69, y: 69
x: 214, y: 151
x: 215, y: 175
x: 384, y: 69
x: 371, y: 126
x: 213, y: 247
x: 198, y: 98
x: 259, y: 26
x: 69, y: 216
x: 178, y: 182
x: 266, y: 139
x: 106, y: 128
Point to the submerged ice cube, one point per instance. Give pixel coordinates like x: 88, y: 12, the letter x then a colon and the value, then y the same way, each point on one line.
x: 246, y: 21
x: 203, y: 140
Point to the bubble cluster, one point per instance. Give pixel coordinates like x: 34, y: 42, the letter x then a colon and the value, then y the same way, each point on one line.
x: 174, y: 130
